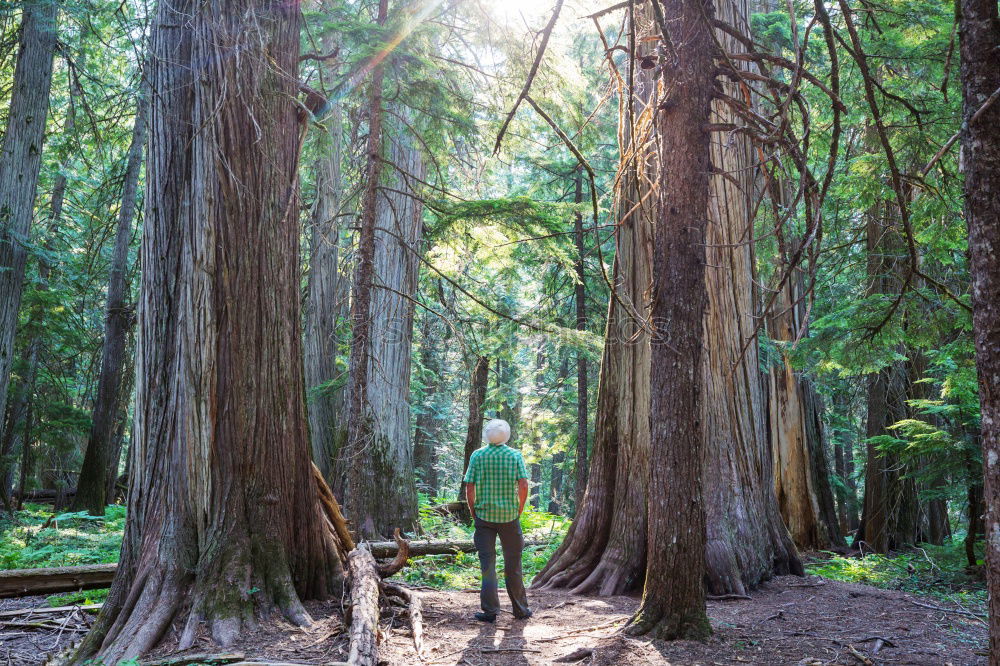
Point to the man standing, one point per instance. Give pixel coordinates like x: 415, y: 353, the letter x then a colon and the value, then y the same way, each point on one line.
x: 496, y: 488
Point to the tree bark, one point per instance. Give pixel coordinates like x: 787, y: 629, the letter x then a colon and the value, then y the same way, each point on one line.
x: 375, y: 464
x: 352, y: 488
x: 20, y: 162
x: 100, y: 461
x: 888, y: 517
x: 582, y: 408
x: 819, y: 466
x: 801, y: 477
x: 325, y: 301
x: 34, y: 328
x: 364, y: 608
x: 477, y: 399
x: 225, y: 521
x: 673, y: 600
x: 389, y: 499
x: 979, y: 32
x: 605, y: 549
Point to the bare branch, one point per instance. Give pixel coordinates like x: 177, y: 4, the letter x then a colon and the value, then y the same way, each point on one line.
x: 546, y: 33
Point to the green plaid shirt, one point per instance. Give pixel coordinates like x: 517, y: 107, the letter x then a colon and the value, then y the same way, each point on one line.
x: 495, y: 469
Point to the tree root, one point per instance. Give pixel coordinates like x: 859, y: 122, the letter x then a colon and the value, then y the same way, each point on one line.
x: 398, y: 562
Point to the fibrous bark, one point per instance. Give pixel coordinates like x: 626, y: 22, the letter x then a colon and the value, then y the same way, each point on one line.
x: 20, y: 161
x: 746, y: 541
x: 224, y: 517
x: 387, y: 499
x: 801, y: 476
x: 374, y: 473
x: 326, y: 300
x: 673, y: 599
x: 979, y: 30
x: 100, y: 461
x: 364, y: 608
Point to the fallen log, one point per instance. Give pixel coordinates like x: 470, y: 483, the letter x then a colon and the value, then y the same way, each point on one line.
x: 332, y: 510
x: 46, y: 494
x: 364, y: 608
x: 22, y: 582
x: 92, y: 608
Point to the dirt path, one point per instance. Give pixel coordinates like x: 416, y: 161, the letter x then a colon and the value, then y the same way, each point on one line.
x: 785, y: 622
x: 788, y: 621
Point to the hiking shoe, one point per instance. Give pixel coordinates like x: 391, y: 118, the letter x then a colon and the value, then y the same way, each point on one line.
x: 524, y: 617
x: 485, y: 617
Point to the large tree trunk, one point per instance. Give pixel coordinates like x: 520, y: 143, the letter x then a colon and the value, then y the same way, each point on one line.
x: 10, y: 443
x: 327, y: 289
x: 225, y: 522
x: 392, y: 502
x: 100, y: 461
x: 605, y: 549
x: 673, y: 599
x: 582, y: 409
x: 375, y: 464
x: 979, y: 29
x: 801, y: 478
x: 325, y: 300
x: 747, y: 541
x: 889, y: 510
x: 20, y: 161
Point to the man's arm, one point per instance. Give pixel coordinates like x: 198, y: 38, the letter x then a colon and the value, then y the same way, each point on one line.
x: 470, y: 497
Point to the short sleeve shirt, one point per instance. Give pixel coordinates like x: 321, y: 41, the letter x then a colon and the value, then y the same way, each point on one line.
x: 495, y: 469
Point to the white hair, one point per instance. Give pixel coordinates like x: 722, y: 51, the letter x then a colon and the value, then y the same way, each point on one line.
x: 497, y: 431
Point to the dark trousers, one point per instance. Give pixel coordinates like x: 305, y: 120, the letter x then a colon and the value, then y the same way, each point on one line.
x: 512, y: 543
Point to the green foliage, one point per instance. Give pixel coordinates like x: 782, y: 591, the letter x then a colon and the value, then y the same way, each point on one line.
x: 69, y: 539
x: 82, y: 598
x: 938, y: 571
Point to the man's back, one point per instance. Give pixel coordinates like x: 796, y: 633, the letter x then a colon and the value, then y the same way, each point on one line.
x: 495, y: 469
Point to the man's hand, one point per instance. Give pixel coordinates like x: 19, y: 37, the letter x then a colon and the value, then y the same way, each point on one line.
x: 522, y: 494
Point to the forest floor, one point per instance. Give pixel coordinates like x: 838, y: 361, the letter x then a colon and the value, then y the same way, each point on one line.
x: 789, y: 620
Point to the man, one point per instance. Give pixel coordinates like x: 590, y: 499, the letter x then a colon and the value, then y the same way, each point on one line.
x: 496, y: 488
